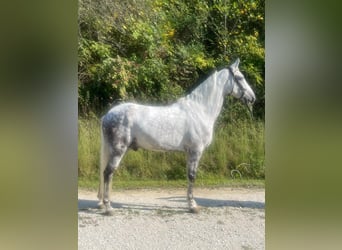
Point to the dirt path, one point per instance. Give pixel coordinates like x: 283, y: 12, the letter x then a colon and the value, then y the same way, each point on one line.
x: 159, y: 219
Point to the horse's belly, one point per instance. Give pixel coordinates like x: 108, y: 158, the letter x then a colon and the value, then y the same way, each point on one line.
x: 159, y: 128
x: 159, y: 138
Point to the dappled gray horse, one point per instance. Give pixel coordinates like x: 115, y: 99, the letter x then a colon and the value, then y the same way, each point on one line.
x: 187, y: 125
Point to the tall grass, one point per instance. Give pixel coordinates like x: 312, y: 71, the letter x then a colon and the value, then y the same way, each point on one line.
x: 89, y: 140
x: 236, y: 151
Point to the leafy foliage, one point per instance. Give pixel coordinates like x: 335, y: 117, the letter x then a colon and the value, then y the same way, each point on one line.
x: 153, y: 50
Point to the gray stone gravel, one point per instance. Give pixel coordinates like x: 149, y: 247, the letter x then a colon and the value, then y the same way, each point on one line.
x: 159, y: 219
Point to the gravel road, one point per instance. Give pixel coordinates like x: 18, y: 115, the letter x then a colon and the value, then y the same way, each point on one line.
x: 230, y: 218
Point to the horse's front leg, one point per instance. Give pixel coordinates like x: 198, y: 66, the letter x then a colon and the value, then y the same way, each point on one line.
x: 192, y: 164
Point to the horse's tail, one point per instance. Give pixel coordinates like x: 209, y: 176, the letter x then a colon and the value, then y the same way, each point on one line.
x: 104, y: 157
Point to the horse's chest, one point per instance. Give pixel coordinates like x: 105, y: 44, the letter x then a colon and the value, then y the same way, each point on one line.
x: 200, y: 134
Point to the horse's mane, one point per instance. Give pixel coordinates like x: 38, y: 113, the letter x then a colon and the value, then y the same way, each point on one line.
x: 203, y: 77
x: 208, y: 94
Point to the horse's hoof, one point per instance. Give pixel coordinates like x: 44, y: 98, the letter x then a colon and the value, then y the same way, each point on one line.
x: 109, y: 212
x: 194, y: 210
x: 100, y: 205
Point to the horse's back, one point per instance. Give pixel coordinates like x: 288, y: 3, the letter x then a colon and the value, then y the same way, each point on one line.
x: 171, y: 127
x: 150, y: 127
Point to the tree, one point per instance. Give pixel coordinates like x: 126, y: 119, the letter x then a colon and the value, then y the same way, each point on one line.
x: 154, y: 50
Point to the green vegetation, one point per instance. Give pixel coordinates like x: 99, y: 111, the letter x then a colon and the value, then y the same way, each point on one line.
x: 153, y: 51
x: 238, y: 148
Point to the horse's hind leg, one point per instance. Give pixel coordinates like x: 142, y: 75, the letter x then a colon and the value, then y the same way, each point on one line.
x: 115, y: 140
x: 105, y: 154
x: 108, y: 173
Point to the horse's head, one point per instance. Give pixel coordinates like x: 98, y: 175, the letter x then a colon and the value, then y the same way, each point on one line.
x: 241, y: 88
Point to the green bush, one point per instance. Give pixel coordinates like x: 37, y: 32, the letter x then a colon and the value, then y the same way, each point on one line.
x: 153, y: 51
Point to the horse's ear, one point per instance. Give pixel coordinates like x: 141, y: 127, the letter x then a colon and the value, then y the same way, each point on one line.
x: 236, y: 63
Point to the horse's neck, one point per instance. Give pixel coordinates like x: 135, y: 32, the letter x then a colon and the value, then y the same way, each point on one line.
x: 208, y: 96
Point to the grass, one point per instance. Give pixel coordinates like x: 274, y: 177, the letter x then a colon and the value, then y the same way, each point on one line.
x: 237, y: 151
x: 88, y: 146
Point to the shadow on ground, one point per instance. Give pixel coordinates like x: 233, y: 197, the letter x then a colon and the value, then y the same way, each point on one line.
x: 205, y: 202
x: 90, y: 206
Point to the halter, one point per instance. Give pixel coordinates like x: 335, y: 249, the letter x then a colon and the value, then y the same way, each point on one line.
x: 236, y: 80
